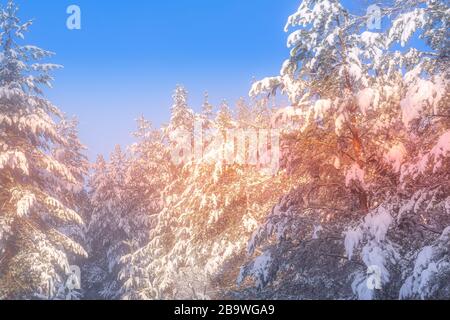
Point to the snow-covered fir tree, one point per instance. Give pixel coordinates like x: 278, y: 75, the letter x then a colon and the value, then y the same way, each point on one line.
x: 109, y: 225
x: 182, y: 117
x: 35, y: 208
x: 376, y: 120
x: 207, y: 113
x: 150, y: 171
x: 224, y: 118
x: 244, y: 114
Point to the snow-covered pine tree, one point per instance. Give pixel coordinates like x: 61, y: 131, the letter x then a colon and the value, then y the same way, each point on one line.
x: 416, y: 226
x: 207, y: 113
x: 34, y: 212
x: 126, y: 198
x: 224, y: 118
x: 182, y: 117
x: 94, y: 270
x: 420, y: 229
x: 73, y: 156
x: 109, y: 226
x: 179, y: 133
x: 243, y: 113
x: 357, y: 156
x: 150, y: 171
x: 263, y: 112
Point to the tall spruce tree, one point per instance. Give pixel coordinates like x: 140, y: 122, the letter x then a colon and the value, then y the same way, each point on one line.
x: 371, y: 152
x: 34, y: 212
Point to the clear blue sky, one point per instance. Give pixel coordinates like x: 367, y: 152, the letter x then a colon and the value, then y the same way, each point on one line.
x: 129, y: 56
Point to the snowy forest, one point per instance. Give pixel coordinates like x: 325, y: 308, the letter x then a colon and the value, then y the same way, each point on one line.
x: 356, y: 205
